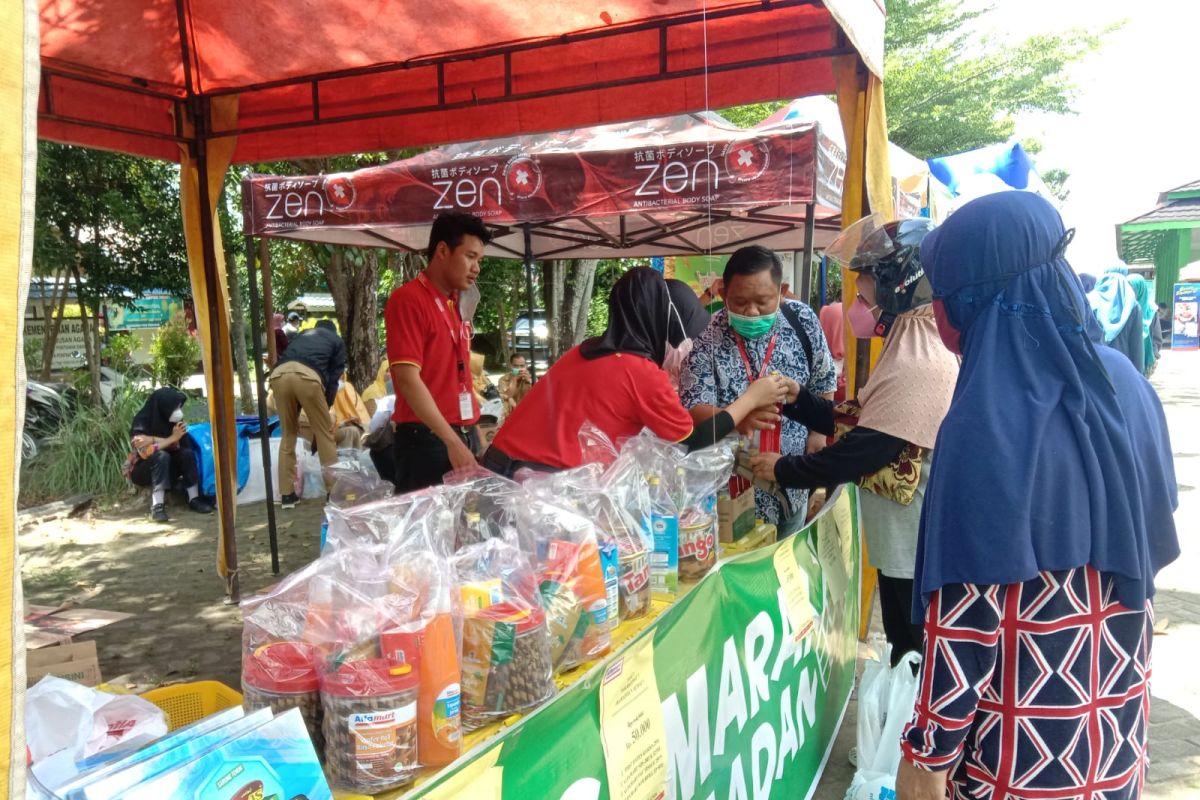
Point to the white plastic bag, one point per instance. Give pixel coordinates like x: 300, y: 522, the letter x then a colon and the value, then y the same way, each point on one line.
x: 885, y: 704
x: 66, y: 724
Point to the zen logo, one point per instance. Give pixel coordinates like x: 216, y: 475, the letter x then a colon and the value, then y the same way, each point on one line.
x: 466, y: 193
x: 293, y: 205
x: 675, y: 177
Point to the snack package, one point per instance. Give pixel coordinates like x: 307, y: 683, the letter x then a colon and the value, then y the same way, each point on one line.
x: 624, y: 510
x: 370, y: 725
x: 506, y: 666
x: 702, y: 474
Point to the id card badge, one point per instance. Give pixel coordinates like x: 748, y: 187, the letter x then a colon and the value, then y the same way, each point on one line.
x: 465, y: 409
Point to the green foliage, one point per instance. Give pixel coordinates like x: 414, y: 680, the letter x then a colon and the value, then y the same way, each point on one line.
x: 118, y: 352
x: 31, y: 348
x: 88, y: 452
x: 950, y: 89
x: 750, y: 115
x: 114, y: 217
x: 173, y: 353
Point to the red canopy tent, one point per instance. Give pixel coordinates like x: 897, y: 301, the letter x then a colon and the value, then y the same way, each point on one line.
x: 210, y: 82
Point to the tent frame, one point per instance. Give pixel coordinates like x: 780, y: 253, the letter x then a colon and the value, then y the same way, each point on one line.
x: 656, y: 231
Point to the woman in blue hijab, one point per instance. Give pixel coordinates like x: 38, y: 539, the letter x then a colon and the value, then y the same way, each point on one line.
x: 1039, y: 545
x: 1115, y: 304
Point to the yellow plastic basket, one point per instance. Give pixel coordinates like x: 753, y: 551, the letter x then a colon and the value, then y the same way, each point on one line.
x: 184, y: 703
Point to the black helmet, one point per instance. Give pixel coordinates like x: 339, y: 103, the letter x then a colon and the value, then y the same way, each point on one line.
x: 891, y: 253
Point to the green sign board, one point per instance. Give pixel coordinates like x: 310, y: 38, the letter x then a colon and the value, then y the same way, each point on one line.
x: 749, y: 709
x: 152, y: 311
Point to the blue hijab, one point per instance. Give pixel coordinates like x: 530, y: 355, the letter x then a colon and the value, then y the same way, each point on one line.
x: 1054, y: 453
x: 1114, y: 302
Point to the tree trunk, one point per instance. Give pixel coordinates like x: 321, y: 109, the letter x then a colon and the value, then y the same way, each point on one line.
x: 53, y: 325
x: 353, y: 283
x: 237, y: 332
x: 579, y: 300
x: 554, y: 278
x: 91, y: 344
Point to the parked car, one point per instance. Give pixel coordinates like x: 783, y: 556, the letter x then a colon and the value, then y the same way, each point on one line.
x: 518, y: 335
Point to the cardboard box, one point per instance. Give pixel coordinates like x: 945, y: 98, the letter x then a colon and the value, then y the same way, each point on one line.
x: 75, y: 662
x: 736, y: 516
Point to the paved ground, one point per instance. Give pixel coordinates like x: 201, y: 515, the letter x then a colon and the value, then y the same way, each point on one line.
x: 1175, y: 707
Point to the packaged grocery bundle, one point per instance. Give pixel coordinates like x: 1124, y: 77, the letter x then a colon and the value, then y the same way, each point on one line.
x: 701, y: 475
x: 506, y: 665
x: 625, y: 512
x: 484, y: 506
x: 660, y: 463
x: 571, y: 581
x: 581, y: 490
x: 353, y: 484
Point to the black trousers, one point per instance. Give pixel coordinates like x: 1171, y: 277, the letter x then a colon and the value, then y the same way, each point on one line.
x: 422, y: 460
x: 167, y: 468
x: 500, y: 463
x: 895, y: 605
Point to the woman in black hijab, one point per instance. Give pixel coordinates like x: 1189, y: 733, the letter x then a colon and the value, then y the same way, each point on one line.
x: 616, y: 382
x: 162, y: 454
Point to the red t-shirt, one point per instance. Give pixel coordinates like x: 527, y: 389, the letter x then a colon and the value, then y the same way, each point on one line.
x: 620, y: 394
x: 421, y: 324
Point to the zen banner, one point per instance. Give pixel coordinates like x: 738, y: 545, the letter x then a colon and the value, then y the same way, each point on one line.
x: 737, y: 691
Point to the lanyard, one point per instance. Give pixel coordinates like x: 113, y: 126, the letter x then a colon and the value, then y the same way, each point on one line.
x: 751, y: 375
x: 454, y: 325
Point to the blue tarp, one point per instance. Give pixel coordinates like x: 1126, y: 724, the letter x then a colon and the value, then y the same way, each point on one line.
x: 201, y: 433
x: 1009, y: 162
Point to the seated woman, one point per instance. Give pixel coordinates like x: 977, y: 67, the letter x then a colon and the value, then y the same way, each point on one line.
x: 161, y: 458
x: 902, y: 407
x: 617, y: 383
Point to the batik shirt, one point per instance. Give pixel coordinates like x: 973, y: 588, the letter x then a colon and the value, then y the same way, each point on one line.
x: 1033, y: 690
x: 715, y: 375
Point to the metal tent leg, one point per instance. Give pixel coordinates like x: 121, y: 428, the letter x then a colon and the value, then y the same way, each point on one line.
x: 805, y: 268
x: 529, y: 300
x: 261, y: 390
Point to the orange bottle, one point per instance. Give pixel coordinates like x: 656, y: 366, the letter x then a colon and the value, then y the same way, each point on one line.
x: 439, y: 698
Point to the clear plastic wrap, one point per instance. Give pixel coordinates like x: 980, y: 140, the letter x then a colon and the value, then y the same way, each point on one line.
x: 485, y: 506
x: 571, y: 582
x: 625, y: 511
x: 506, y: 666
x: 661, y: 464
x: 701, y: 474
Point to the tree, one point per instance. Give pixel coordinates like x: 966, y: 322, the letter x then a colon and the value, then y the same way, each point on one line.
x: 951, y: 89
x: 110, y: 224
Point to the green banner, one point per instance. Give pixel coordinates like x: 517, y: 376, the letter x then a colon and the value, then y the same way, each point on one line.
x: 748, y: 711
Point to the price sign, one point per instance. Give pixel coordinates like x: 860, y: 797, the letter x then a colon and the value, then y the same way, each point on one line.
x: 795, y: 588
x: 631, y: 727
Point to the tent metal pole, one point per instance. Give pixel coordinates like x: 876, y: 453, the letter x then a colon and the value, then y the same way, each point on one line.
x: 823, y: 275
x: 223, y: 465
x: 805, y: 267
x: 268, y: 308
x: 261, y: 391
x: 529, y: 299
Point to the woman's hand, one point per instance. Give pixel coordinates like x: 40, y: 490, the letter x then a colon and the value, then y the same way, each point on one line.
x: 914, y: 783
x: 793, y: 389
x: 763, y: 465
x: 769, y: 390
x: 178, y: 432
x: 762, y: 419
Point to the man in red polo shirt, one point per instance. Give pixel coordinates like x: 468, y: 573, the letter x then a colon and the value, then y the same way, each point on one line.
x: 428, y: 348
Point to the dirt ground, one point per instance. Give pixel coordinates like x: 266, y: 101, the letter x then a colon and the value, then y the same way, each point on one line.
x: 165, y: 575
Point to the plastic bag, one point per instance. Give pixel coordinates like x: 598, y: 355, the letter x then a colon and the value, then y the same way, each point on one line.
x: 485, y: 506
x: 660, y: 463
x: 571, y: 581
x: 702, y: 473
x: 506, y: 666
x: 885, y: 705
x: 312, y: 475
x: 67, y: 724
x: 354, y: 484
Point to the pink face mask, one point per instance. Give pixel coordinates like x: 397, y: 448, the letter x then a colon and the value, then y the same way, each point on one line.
x: 861, y: 319
x: 949, y: 336
x: 673, y: 361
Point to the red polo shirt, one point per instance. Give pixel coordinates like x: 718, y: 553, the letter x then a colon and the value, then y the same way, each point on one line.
x: 620, y: 394
x: 421, y: 325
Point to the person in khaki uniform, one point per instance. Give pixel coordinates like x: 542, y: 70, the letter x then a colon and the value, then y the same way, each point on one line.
x: 306, y: 378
